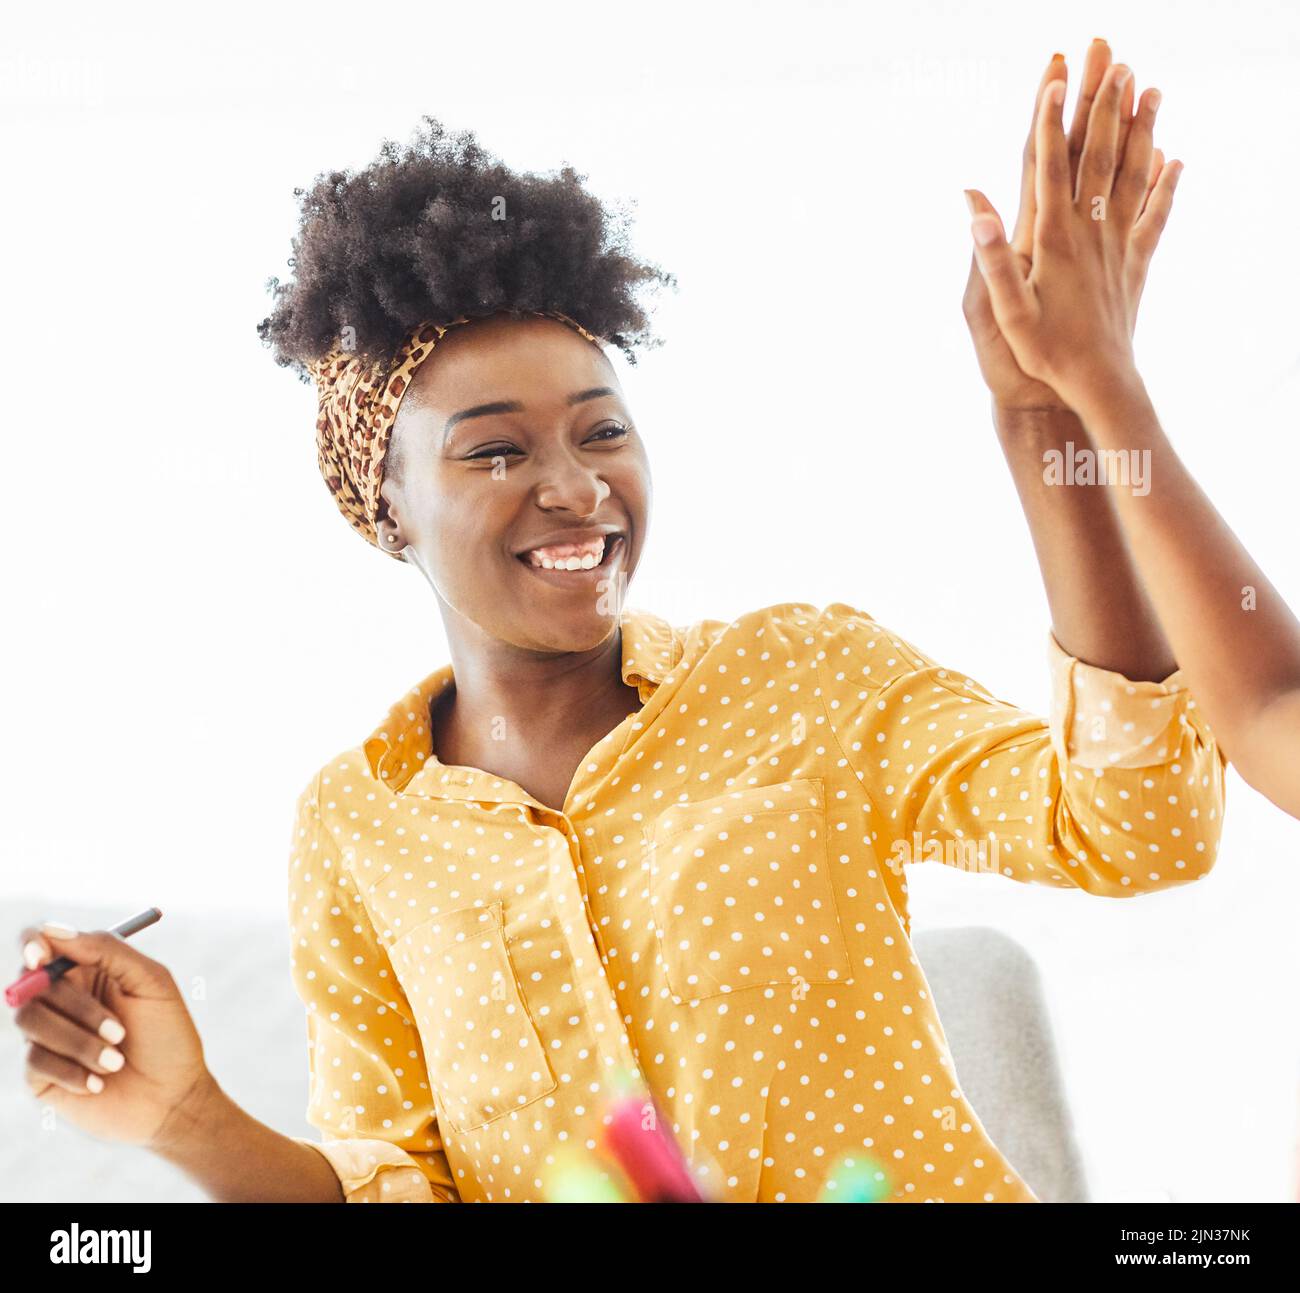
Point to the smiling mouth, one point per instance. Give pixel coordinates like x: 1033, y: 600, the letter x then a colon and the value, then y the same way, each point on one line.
x: 562, y: 573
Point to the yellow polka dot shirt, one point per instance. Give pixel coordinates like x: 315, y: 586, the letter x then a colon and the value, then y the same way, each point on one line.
x: 720, y: 910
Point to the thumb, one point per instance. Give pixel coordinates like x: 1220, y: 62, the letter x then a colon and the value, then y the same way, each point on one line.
x: 133, y: 972
x: 975, y: 301
x: 999, y: 264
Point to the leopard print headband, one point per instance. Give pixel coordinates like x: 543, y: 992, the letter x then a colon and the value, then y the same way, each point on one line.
x: 358, y: 406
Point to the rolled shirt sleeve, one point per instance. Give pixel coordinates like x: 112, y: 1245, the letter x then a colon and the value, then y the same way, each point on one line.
x: 1118, y: 792
x: 369, y: 1091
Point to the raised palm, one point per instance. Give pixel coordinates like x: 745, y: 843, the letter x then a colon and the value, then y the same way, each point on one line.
x: 1011, y: 387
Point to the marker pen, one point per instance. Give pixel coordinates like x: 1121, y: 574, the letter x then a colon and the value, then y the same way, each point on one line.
x: 650, y: 1157
x: 34, y: 982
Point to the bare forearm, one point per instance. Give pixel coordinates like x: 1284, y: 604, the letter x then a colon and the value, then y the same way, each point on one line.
x: 236, y: 1159
x: 1235, y: 637
x: 1101, y: 612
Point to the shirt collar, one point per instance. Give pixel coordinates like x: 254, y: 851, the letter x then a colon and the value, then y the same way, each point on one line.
x: 399, y: 749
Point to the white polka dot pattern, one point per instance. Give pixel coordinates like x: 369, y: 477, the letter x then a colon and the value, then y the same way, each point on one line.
x: 720, y: 910
x: 477, y: 1032
x: 367, y: 1073
x: 742, y: 894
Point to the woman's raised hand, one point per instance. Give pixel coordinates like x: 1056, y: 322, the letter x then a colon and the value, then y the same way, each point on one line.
x: 1013, y: 385
x: 113, y: 1048
x: 1067, y: 311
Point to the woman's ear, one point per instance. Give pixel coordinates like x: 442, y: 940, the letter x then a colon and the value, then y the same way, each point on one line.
x: 388, y: 526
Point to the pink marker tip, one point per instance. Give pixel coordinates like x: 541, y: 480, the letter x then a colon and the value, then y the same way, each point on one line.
x: 32, y: 984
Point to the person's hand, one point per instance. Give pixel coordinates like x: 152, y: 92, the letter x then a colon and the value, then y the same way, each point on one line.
x: 1068, y: 311
x: 70, y: 1027
x: 1012, y: 388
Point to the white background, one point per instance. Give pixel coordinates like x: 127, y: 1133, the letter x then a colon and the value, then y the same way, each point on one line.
x: 194, y: 629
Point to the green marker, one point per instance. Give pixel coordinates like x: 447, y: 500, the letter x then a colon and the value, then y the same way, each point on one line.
x: 855, y: 1179
x: 574, y: 1179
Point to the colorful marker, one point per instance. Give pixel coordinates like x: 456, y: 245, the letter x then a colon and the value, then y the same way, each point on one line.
x: 646, y: 1151
x: 855, y: 1179
x: 34, y: 982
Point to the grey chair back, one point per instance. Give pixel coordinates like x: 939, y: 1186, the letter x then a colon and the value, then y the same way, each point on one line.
x: 990, y: 1000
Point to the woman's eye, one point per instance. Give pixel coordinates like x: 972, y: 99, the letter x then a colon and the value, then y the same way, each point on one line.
x: 612, y: 432
x: 497, y: 451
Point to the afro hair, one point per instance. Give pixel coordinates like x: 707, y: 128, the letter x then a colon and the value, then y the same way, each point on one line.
x: 439, y: 230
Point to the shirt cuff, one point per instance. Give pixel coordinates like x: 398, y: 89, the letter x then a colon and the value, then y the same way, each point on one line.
x: 373, y: 1171
x: 1101, y: 719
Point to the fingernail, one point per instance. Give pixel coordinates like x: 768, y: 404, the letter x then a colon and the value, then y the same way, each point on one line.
x: 1154, y: 100
x: 984, y: 229
x: 111, y: 1031
x: 111, y: 1059
x: 1058, y: 58
x: 970, y: 202
x: 1121, y: 78
x: 95, y: 1083
x: 57, y: 929
x: 33, y: 954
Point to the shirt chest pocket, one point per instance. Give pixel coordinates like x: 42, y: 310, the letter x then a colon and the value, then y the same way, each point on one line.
x: 483, y: 1053
x: 742, y: 895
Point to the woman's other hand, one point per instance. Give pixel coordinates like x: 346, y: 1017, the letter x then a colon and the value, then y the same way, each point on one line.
x: 113, y: 1048
x: 1011, y: 386
x: 1067, y: 312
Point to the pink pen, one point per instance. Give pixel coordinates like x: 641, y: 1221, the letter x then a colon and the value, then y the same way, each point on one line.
x: 34, y: 982
x: 649, y: 1156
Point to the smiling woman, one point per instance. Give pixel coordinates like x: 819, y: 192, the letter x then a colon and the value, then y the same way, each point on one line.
x: 595, y: 850
x: 426, y: 238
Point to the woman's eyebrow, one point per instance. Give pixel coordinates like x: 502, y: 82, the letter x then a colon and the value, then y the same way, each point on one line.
x: 595, y: 393
x: 514, y: 406
x: 482, y: 410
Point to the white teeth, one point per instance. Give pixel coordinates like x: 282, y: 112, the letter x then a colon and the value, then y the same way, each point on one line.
x: 587, y: 561
x: 570, y: 563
